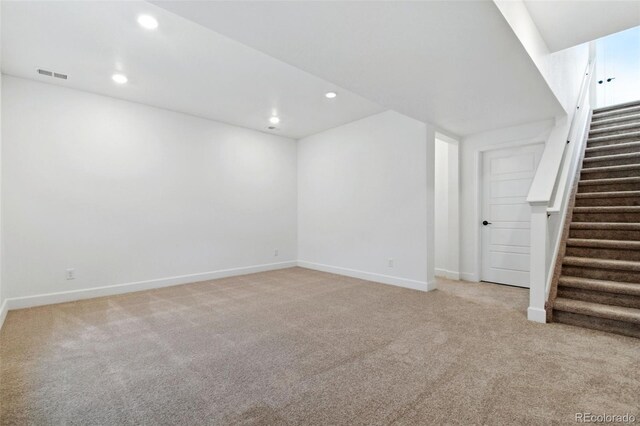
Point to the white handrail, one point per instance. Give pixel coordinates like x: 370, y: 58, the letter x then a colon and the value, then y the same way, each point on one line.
x: 549, y: 192
x: 546, y: 178
x: 576, y: 133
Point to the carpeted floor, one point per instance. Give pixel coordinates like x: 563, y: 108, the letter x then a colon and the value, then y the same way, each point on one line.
x: 303, y: 347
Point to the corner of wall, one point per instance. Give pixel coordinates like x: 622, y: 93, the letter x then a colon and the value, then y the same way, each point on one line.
x: 3, y: 304
x: 3, y: 312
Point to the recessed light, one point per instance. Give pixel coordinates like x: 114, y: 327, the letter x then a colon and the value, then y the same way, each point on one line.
x: 119, y: 78
x: 148, y: 22
x: 274, y: 120
x: 330, y: 95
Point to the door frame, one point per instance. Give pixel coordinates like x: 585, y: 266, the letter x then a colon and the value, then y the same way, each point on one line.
x: 478, y: 156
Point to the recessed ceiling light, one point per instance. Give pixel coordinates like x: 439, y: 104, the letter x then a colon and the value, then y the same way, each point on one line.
x: 148, y: 22
x: 119, y: 78
x: 330, y: 95
x: 274, y: 120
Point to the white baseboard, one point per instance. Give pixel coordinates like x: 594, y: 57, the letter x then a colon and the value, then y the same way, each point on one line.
x: 451, y: 275
x: 110, y: 290
x: 370, y: 276
x: 3, y: 312
x: 469, y: 276
x: 69, y: 296
x: 537, y: 315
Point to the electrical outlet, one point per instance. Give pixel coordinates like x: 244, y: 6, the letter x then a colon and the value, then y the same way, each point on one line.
x: 275, y: 252
x: 71, y: 274
x: 390, y: 263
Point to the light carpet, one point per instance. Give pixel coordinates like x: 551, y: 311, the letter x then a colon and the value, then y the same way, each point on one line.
x: 302, y: 347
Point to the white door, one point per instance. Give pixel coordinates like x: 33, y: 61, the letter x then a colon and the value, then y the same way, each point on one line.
x: 506, y: 215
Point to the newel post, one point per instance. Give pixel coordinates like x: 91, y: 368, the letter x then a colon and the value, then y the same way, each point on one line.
x: 538, y: 263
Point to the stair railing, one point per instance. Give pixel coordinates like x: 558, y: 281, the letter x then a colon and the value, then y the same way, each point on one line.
x: 549, y: 195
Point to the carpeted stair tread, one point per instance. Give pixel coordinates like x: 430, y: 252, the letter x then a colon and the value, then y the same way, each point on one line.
x: 615, y: 128
x: 617, y: 111
x: 615, y: 120
x: 617, y: 313
x: 621, y: 117
x: 629, y: 179
x: 600, y: 285
x: 626, y: 135
x: 616, y: 147
x: 607, y: 209
x: 616, y: 107
x: 610, y: 194
x: 587, y: 262
x: 606, y: 225
x: 612, y: 157
x: 618, y: 168
x: 600, y: 324
x: 614, y: 244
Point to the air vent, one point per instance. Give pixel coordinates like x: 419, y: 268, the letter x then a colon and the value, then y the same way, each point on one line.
x: 52, y: 74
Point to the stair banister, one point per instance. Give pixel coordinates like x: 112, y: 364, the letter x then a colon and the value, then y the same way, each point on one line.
x: 549, y: 191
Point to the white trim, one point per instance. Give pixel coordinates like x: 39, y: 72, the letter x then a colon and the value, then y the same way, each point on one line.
x: 370, y: 276
x: 470, y: 276
x: 451, y: 275
x: 447, y: 137
x: 537, y: 315
x: 110, y: 290
x: 4, y: 308
x: 478, y: 158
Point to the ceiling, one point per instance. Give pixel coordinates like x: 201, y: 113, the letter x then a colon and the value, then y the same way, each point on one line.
x: 568, y: 23
x: 455, y: 64
x: 181, y: 66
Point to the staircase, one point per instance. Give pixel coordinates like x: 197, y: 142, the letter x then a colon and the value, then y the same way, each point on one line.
x: 598, y: 284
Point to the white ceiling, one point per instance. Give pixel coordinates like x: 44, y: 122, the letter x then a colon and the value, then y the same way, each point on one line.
x: 181, y: 66
x: 455, y: 64
x: 568, y: 23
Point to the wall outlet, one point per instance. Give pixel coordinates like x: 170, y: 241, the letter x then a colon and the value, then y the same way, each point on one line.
x: 275, y: 253
x: 71, y: 274
x: 390, y: 263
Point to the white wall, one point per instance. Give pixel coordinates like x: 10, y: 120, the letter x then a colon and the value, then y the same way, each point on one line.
x: 3, y: 307
x: 471, y: 148
x: 365, y: 194
x: 441, y: 203
x: 563, y: 70
x: 126, y: 193
x: 447, y: 222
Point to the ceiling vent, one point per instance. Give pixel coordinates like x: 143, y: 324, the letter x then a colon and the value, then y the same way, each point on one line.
x: 52, y: 74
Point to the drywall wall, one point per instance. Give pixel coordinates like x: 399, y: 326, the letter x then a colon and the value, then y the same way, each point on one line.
x: 136, y: 196
x: 471, y: 149
x: 441, y: 202
x: 365, y: 200
x: 563, y: 70
x: 3, y: 306
x: 446, y: 209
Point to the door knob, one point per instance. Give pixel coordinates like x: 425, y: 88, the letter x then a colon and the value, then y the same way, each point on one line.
x: 485, y: 223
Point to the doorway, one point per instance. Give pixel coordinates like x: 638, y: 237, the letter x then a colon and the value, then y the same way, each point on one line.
x: 446, y: 215
x: 506, y: 216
